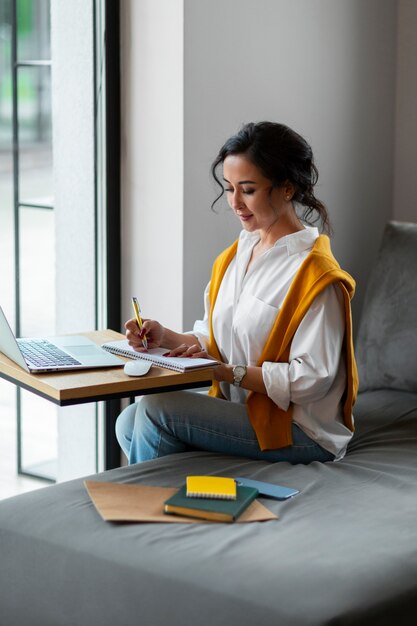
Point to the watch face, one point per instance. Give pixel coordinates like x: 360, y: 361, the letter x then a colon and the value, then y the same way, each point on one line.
x: 238, y: 373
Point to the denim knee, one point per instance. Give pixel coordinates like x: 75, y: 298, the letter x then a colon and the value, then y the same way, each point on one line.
x: 156, y: 406
x: 125, y: 424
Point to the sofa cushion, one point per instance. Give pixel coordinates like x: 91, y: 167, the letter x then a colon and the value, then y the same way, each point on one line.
x: 386, y: 346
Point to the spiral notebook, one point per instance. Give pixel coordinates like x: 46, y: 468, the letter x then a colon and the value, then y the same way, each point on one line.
x: 216, y: 487
x: 155, y: 355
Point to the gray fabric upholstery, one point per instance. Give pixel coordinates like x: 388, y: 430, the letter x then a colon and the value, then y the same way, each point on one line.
x: 386, y: 347
x: 342, y: 553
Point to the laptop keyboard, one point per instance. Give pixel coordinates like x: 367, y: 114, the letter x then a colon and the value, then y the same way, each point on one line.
x: 41, y: 353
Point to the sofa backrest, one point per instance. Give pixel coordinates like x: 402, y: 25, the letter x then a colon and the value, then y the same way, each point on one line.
x: 386, y: 345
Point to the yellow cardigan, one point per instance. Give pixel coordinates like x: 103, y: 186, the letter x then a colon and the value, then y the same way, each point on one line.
x: 272, y: 425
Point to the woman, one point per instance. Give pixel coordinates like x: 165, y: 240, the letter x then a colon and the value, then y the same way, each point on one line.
x: 277, y: 319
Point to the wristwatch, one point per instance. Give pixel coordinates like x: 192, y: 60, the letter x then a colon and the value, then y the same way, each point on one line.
x: 239, y: 373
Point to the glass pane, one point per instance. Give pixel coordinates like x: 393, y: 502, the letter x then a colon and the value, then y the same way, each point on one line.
x: 35, y: 136
x: 39, y: 448
x: 37, y: 271
x: 7, y: 265
x: 8, y: 458
x: 39, y: 425
x: 33, y: 30
x: 5, y: 75
x: 38, y: 417
x: 7, y: 282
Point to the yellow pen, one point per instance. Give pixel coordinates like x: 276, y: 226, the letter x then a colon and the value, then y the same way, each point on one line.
x: 136, y: 309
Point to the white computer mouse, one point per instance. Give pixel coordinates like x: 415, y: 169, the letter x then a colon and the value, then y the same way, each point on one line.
x: 137, y: 367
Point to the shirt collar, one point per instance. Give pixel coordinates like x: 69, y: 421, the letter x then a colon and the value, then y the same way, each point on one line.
x: 295, y: 243
x: 299, y: 241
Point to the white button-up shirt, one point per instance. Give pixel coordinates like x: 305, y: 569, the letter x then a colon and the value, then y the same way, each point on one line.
x: 247, y: 305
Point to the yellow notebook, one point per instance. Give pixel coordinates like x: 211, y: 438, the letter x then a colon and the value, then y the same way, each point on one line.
x: 211, y: 487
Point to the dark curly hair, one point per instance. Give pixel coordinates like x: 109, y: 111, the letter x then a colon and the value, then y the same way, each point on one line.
x: 283, y: 156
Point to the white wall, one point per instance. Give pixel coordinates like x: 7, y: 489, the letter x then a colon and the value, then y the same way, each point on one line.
x: 405, y: 198
x: 152, y: 158
x: 73, y: 141
x: 326, y: 68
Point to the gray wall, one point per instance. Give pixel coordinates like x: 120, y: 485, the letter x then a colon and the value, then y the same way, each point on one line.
x: 327, y: 68
x: 404, y: 199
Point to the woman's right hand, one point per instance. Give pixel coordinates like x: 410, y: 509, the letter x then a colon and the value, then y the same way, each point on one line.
x: 153, y: 330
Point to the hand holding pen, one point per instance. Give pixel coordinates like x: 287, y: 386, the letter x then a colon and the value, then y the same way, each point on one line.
x: 136, y: 309
x: 151, y: 329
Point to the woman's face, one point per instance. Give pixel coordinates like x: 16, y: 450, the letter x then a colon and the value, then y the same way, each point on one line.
x: 249, y: 194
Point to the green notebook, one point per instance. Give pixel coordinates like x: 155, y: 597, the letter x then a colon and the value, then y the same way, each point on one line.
x: 210, y: 509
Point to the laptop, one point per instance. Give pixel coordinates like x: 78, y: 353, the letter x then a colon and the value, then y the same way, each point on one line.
x: 53, y: 354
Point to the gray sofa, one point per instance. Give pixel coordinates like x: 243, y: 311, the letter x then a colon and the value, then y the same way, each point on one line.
x: 343, y: 552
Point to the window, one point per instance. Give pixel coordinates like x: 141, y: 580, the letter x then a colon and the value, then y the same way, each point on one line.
x: 28, y: 296
x: 35, y: 247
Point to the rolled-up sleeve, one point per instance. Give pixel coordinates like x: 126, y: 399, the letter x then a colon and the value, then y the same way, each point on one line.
x: 315, y: 354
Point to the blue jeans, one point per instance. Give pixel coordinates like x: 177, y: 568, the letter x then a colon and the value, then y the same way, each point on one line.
x: 181, y: 421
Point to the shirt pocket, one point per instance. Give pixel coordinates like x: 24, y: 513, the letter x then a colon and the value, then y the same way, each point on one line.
x: 252, y: 324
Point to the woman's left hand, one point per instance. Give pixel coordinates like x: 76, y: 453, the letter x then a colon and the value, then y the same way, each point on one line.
x: 185, y: 351
x: 222, y: 372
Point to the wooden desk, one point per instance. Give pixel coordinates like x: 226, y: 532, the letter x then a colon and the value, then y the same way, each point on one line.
x: 80, y: 386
